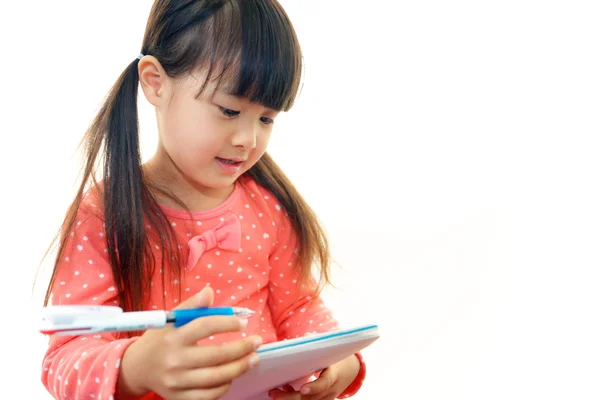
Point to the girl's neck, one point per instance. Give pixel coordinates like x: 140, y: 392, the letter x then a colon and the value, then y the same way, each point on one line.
x: 166, y: 181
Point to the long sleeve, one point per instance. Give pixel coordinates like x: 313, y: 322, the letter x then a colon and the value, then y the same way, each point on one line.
x: 84, y: 366
x: 296, y: 310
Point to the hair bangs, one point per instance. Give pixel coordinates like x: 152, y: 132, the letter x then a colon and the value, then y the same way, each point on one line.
x: 254, y: 53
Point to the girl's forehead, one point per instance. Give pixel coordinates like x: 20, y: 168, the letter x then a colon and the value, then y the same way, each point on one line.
x: 215, y: 89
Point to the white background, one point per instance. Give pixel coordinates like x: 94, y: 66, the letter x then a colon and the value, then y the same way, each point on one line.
x: 451, y: 149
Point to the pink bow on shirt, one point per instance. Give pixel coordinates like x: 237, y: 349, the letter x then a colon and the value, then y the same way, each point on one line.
x: 226, y: 236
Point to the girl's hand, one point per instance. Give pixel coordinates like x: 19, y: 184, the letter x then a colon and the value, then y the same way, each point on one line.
x: 170, y: 363
x: 331, y: 383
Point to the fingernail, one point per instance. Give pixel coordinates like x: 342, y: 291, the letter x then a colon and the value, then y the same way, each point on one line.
x: 254, y: 359
x: 243, y: 323
x: 305, y: 390
x: 257, y: 341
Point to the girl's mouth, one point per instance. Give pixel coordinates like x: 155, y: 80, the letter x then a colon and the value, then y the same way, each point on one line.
x: 228, y: 161
x: 229, y: 166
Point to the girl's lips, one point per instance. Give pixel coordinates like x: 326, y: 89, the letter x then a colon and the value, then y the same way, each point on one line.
x: 229, y: 166
x: 230, y: 160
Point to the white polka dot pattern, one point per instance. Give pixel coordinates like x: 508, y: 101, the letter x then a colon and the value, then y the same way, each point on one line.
x: 261, y: 274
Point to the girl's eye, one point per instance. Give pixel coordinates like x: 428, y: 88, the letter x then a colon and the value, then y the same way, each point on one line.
x: 229, y: 113
x: 266, y: 121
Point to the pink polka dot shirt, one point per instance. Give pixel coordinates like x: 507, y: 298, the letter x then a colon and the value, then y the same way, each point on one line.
x: 244, y: 249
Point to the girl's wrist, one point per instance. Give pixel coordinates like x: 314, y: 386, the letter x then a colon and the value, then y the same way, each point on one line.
x: 130, y: 383
x: 351, y: 368
x: 357, y: 375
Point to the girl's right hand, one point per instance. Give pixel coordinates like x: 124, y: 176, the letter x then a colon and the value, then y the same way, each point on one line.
x: 170, y: 363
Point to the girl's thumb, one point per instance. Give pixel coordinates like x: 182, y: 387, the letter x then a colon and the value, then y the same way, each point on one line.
x: 204, y: 298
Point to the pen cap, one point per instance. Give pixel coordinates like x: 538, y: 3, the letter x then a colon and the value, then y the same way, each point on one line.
x: 68, y: 314
x: 184, y: 316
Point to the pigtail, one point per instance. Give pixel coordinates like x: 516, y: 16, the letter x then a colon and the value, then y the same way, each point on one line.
x: 112, y: 144
x: 124, y: 186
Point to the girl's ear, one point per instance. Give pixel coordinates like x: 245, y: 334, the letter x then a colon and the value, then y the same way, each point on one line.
x: 154, y: 81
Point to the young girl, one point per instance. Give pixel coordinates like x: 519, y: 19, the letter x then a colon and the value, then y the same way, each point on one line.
x: 209, y: 220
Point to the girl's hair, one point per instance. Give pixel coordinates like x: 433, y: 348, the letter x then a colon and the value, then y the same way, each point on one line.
x: 248, y: 45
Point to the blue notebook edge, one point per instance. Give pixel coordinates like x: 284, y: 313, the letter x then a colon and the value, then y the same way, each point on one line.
x: 319, y: 338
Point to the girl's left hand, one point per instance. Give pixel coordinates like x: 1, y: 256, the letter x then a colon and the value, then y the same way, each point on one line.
x: 328, y: 386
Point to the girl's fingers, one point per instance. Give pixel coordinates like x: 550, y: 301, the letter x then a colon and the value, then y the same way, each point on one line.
x: 219, y: 375
x: 208, y: 356
x: 286, y: 392
x: 201, y: 328
x: 320, y: 385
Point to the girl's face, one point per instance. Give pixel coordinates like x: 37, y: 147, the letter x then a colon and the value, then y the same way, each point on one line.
x: 208, y: 142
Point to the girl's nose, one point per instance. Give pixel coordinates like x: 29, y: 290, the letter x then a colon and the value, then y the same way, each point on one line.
x: 245, y: 138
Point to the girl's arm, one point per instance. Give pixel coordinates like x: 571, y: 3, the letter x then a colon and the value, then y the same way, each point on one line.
x: 82, y: 366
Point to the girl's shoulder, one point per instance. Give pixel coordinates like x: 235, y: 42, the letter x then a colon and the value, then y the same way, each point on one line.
x: 91, y: 204
x: 253, y: 188
x: 259, y: 198
x: 252, y: 198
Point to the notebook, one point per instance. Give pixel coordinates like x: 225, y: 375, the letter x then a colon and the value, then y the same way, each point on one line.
x: 296, y: 360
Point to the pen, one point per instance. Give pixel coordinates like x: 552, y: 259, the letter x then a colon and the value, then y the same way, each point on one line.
x: 82, y: 320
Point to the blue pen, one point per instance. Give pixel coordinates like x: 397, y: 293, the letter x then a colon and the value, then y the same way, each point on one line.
x: 82, y: 320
